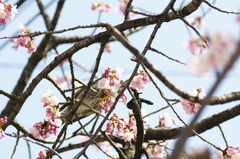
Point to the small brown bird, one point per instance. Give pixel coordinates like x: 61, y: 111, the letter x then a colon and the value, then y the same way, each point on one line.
x: 88, y: 106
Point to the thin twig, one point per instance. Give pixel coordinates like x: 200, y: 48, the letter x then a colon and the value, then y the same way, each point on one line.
x: 37, y: 143
x: 223, y: 135
x: 170, y: 58
x: 218, y: 9
x: 16, y: 144
x: 37, y: 33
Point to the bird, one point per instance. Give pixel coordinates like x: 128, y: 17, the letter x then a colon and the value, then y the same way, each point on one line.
x: 88, y: 106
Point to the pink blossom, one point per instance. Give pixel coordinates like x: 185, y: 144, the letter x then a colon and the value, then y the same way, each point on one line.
x: 196, y: 21
x: 26, y: 41
x: 63, y: 81
x: 108, y: 48
x: 102, y: 7
x: 140, y: 80
x: 42, y: 154
x: 30, y: 46
x: 35, y: 130
x: 196, y: 46
x: 46, y: 128
x: 236, y: 156
x: 53, y: 112
x: 110, y: 127
x: 123, y: 98
x: 192, y: 107
x: 166, y: 121
x: 112, y: 75
x: 138, y: 83
x: 22, y: 40
x: 128, y: 136
x: 125, y: 128
x: 2, y: 122
x: 103, y: 83
x: 231, y: 151
x: 132, y: 122
x: 156, y: 149
x: 120, y: 125
x: 7, y: 12
x: 49, y: 99
x: 221, y: 48
x: 107, y: 104
x: 58, y: 122
x: 123, y: 5
x: 2, y: 133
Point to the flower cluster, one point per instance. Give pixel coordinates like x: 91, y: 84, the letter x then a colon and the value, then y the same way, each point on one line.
x: 7, y: 12
x: 52, y: 121
x: 166, y: 121
x: 109, y: 87
x: 110, y: 75
x: 192, y: 107
x: 156, y: 149
x: 221, y: 48
x: 140, y: 80
x: 102, y: 7
x: 26, y: 41
x: 232, y: 153
x: 49, y: 99
x: 123, y: 127
x: 2, y: 121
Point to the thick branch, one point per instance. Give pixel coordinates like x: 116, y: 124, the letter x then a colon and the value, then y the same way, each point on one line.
x: 200, y: 127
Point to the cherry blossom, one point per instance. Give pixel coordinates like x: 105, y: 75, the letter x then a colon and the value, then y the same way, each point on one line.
x: 52, y: 122
x: 140, y: 80
x: 42, y: 154
x: 156, y: 149
x: 221, y: 47
x: 46, y: 128
x: 7, y: 12
x: 49, y: 99
x: 108, y: 48
x: 102, y: 7
x: 2, y: 121
x: 109, y: 85
x: 112, y: 75
x: 192, y: 107
x: 196, y: 46
x: 232, y: 153
x: 122, y: 127
x: 122, y: 6
x: 35, y: 130
x: 196, y: 21
x: 26, y: 41
x: 166, y: 121
x: 128, y: 136
x: 63, y: 81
